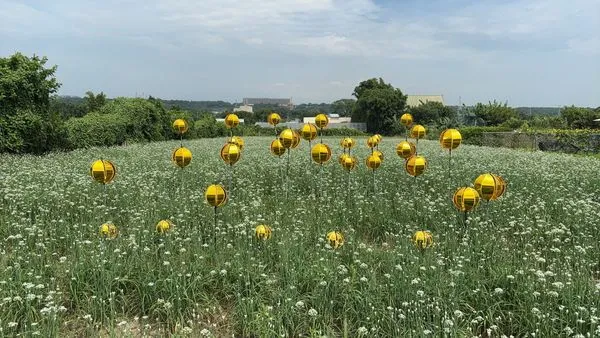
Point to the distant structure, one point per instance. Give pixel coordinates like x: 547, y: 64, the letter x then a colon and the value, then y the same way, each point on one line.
x: 333, y: 119
x: 287, y: 103
x: 220, y: 119
x: 244, y: 108
x: 417, y: 100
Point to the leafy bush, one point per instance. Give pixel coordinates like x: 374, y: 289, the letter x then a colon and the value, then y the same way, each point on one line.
x: 96, y: 129
x: 474, y: 135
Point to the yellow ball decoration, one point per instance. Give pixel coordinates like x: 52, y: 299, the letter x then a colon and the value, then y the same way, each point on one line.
x: 296, y: 139
x: 450, y: 139
x: 309, y: 131
x: 416, y: 165
x: 347, y: 143
x: 273, y: 119
x: 103, y: 171
x: 164, y: 226
x: 320, y: 153
x: 182, y: 157
x: 335, y: 239
x: 422, y: 239
x: 406, y: 149
x: 231, y: 153
x: 348, y: 162
x: 490, y: 186
x: 263, y: 232
x: 287, y: 138
x: 238, y: 141
x: 378, y: 154
x: 372, y: 142
x: 231, y: 121
x: 180, y: 126
x: 465, y: 199
x: 406, y: 119
x: 417, y: 131
x: 373, y: 162
x: 321, y: 120
x: 215, y: 195
x: 378, y: 137
x: 277, y: 148
x: 109, y: 231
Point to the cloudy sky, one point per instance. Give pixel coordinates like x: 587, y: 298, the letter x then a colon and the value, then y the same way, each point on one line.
x: 538, y: 52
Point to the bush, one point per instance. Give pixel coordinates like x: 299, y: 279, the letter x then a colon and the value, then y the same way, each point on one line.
x: 96, y: 129
x: 474, y: 135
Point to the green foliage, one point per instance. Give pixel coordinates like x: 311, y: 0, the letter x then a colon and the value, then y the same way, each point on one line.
x: 378, y: 104
x: 512, y: 123
x: 493, y: 113
x: 580, y: 118
x: 93, y: 102
x: 343, y: 107
x: 97, y: 129
x: 474, y: 135
x: 434, y: 113
x: 207, y: 126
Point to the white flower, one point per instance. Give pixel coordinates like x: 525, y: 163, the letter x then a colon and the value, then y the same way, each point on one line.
x: 299, y: 304
x: 498, y: 291
x: 312, y: 312
x: 362, y: 330
x: 12, y: 324
x: 205, y: 333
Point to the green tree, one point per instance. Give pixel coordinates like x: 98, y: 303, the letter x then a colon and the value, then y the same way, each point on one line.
x: 378, y: 104
x: 494, y: 113
x: 343, y: 107
x: 580, y: 118
x: 94, y: 102
x: 434, y: 113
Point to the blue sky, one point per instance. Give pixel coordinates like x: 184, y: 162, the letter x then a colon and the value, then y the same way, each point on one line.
x: 538, y: 52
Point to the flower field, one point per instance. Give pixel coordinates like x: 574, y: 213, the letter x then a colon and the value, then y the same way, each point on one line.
x: 525, y: 265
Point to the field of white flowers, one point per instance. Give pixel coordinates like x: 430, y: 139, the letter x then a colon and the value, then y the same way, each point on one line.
x: 526, y: 265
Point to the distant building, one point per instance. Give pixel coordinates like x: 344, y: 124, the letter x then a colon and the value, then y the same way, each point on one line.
x: 333, y: 119
x: 417, y: 100
x: 223, y: 120
x: 244, y: 108
x: 276, y: 102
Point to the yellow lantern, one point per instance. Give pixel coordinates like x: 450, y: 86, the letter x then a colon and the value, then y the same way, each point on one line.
x: 378, y: 154
x: 406, y: 119
x: 287, y: 138
x: 465, y: 199
x: 406, y: 149
x: 309, y: 131
x: 417, y: 131
x: 378, y: 137
x: 321, y: 121
x: 373, y: 162
x: 415, y: 165
x: 372, y: 142
x: 296, y: 139
x: 215, y: 195
x: 320, y: 153
x: 231, y: 121
x: 263, y: 232
x: 273, y: 119
x: 180, y: 126
x: 450, y: 139
x: 277, y: 148
x: 348, y: 162
x: 182, y: 157
x: 490, y: 186
x: 347, y: 143
x: 109, y: 231
x: 164, y: 226
x: 335, y: 239
x: 230, y: 153
x: 238, y: 141
x: 103, y: 171
x: 422, y: 239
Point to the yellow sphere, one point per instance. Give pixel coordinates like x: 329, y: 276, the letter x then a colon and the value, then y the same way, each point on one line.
x: 335, y: 239
x: 231, y: 121
x: 277, y: 148
x: 373, y: 162
x: 180, y: 126
x: 109, y: 231
x: 238, y: 141
x: 348, y: 162
x: 215, y: 195
x: 372, y: 142
x: 320, y: 153
x: 182, y: 157
x: 103, y: 171
x: 450, y: 139
x: 416, y: 165
x: 309, y: 131
x: 417, y: 131
x: 273, y: 119
x: 321, y: 120
x: 164, y: 226
x: 465, y: 199
x: 406, y: 119
x: 489, y: 186
x: 423, y: 239
x: 406, y: 149
x: 287, y: 138
x: 263, y: 232
x: 296, y: 139
x: 378, y: 137
x: 347, y: 143
x: 378, y: 154
x: 231, y: 153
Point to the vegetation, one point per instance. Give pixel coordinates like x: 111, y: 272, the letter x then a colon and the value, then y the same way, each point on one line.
x: 378, y: 104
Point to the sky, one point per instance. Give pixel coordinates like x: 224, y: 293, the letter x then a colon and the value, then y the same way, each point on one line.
x: 528, y: 53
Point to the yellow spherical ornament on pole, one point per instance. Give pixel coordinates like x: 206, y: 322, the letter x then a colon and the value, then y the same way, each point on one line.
x: 335, y: 239
x: 422, y: 239
x: 373, y: 162
x: 296, y: 139
x: 231, y: 121
x: 215, y: 195
x: 230, y: 153
x: 164, y: 226
x: 182, y: 157
x: 263, y: 232
x: 308, y: 131
x: 277, y: 148
x: 450, y: 139
x: 287, y: 138
x: 348, y: 162
x: 347, y: 143
x: 489, y: 186
x: 417, y: 131
x: 465, y: 199
x: 109, y: 231
x: 416, y: 165
x: 273, y: 119
x: 372, y: 142
x: 406, y: 149
x: 237, y: 141
x: 378, y: 137
x: 320, y: 153
x: 103, y: 171
x: 180, y: 126
x: 321, y: 120
x: 406, y: 119
x: 378, y: 154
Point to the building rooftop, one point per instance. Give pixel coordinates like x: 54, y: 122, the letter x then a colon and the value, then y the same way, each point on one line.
x: 417, y: 100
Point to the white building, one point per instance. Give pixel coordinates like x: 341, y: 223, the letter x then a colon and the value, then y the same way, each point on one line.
x: 333, y: 119
x: 417, y: 100
x: 245, y: 108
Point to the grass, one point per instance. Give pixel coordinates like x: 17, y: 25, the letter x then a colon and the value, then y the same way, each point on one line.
x: 525, y: 265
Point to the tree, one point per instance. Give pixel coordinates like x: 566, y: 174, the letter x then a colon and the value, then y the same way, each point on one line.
x: 94, y: 102
x: 494, y: 113
x: 434, y: 113
x: 580, y: 118
x: 378, y: 104
x: 343, y: 107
